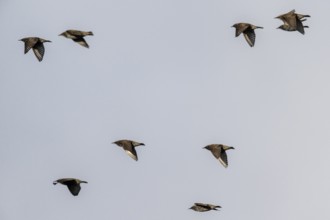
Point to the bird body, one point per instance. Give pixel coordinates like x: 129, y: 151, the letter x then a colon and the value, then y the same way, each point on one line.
x: 72, y: 184
x: 129, y: 147
x: 219, y: 152
x: 77, y: 36
x: 201, y: 207
x: 36, y: 44
x: 248, y: 32
x: 292, y: 21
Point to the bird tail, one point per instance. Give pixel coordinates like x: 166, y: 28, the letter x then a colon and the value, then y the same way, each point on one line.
x: 55, y: 182
x: 90, y: 33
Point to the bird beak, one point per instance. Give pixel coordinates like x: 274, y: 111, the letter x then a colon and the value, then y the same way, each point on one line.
x: 142, y: 144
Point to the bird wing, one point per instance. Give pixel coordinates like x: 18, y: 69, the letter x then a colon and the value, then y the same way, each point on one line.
x: 282, y: 16
x: 130, y: 150
x: 39, y: 50
x: 240, y: 29
x: 223, y: 158
x: 74, y: 188
x: 29, y: 43
x: 300, y: 26
x: 250, y: 36
x: 81, y: 41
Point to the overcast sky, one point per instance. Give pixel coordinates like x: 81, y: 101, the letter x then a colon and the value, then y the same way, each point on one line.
x: 170, y: 74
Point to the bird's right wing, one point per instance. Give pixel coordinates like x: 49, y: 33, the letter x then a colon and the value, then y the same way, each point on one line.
x: 223, y: 158
x: 300, y: 26
x: 250, y: 37
x: 74, y: 188
x: 130, y: 150
x: 81, y: 41
x: 39, y: 51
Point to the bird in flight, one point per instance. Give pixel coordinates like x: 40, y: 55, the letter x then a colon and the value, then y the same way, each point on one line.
x: 72, y: 184
x: 37, y: 44
x: 77, y: 36
x: 129, y: 147
x: 248, y: 32
x: 219, y: 152
x: 201, y: 207
x: 293, y: 22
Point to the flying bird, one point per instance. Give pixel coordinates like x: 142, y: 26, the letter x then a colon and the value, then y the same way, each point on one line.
x: 72, y: 184
x: 37, y: 44
x: 293, y: 21
x: 129, y: 147
x: 219, y: 152
x: 77, y: 36
x: 201, y: 207
x: 248, y: 32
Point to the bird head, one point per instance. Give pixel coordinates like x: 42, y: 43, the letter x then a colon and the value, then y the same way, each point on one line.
x: 207, y: 147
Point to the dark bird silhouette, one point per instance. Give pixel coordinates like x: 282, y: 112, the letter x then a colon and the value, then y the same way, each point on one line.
x: 201, y: 207
x: 72, y: 184
x: 77, y: 36
x: 37, y: 44
x: 248, y: 32
x: 129, y: 147
x: 293, y: 22
x: 219, y: 152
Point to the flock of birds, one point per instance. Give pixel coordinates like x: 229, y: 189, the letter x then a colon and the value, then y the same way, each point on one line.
x: 291, y: 22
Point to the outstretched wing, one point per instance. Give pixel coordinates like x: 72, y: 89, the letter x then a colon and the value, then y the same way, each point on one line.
x: 130, y: 150
x: 300, y: 26
x: 223, y: 158
x: 39, y: 50
x: 74, y: 188
x: 250, y: 37
x: 81, y: 41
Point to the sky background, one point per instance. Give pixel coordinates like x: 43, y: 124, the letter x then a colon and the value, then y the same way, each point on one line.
x: 170, y: 74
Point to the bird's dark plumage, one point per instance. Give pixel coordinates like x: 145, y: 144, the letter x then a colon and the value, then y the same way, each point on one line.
x: 72, y: 184
x: 36, y: 44
x: 219, y: 152
x: 202, y: 207
x: 248, y: 32
x: 293, y: 21
x: 77, y: 36
x: 129, y: 147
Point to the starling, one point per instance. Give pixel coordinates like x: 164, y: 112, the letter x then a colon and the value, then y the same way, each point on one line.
x: 201, y: 207
x: 36, y: 44
x: 77, y: 36
x: 293, y: 22
x: 219, y: 152
x: 72, y: 184
x: 247, y: 30
x: 129, y: 147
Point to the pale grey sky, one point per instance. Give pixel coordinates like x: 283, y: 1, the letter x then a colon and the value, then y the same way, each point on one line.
x: 171, y: 74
